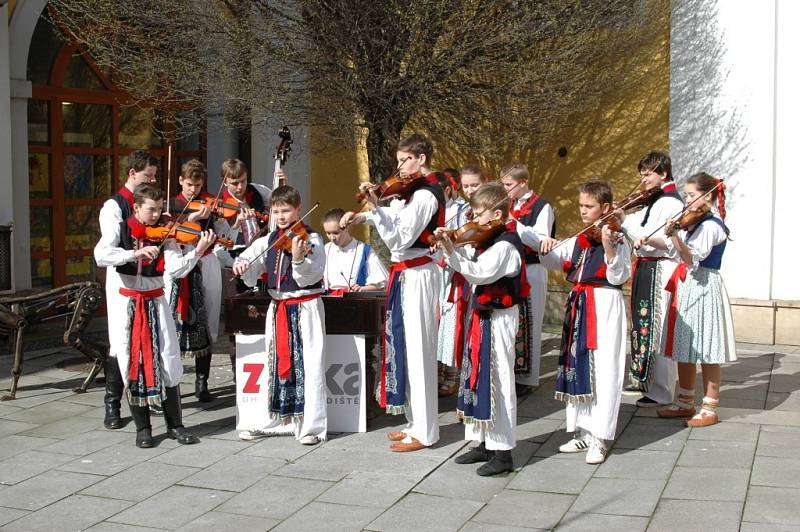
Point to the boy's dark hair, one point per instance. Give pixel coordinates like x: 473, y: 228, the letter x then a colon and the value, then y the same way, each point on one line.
x: 146, y: 191
x: 193, y: 169
x: 657, y: 162
x: 333, y: 215
x: 475, y: 170
x: 140, y: 159
x: 232, y: 169
x: 491, y: 196
x: 286, y: 194
x: 516, y: 171
x: 417, y: 144
x: 599, y: 190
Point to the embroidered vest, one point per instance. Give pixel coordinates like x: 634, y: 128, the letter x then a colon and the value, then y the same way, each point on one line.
x: 527, y: 214
x: 437, y: 220
x: 279, y: 267
x: 587, y: 264
x: 506, y: 291
x: 714, y: 259
x: 149, y: 268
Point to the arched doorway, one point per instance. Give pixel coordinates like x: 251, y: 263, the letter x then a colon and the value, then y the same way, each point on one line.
x: 80, y: 132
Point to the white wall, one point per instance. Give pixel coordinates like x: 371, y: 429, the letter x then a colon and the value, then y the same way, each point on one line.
x: 722, y: 121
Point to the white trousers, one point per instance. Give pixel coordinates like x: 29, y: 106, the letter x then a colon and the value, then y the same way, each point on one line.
x: 117, y: 312
x: 599, y: 416
x: 312, y: 334
x: 501, y: 437
x: 537, y: 278
x: 420, y: 292
x: 168, y: 349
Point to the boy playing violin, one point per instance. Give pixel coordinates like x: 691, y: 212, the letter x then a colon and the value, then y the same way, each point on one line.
x: 148, y: 352
x: 350, y: 265
x: 487, y: 400
x: 194, y: 289
x: 408, y: 372
x: 533, y: 218
x: 592, y: 359
x: 295, y: 324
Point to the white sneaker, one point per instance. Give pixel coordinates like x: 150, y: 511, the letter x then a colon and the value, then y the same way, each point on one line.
x: 309, y: 439
x: 252, y: 435
x: 577, y: 444
x: 597, y: 452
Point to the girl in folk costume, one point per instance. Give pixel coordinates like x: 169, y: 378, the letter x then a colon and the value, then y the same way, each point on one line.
x: 487, y: 399
x: 408, y: 373
x: 148, y: 354
x: 700, y: 325
x: 533, y: 218
x: 652, y: 269
x: 142, y: 168
x: 295, y: 324
x: 592, y: 359
x: 194, y: 289
x: 454, y: 292
x: 350, y: 265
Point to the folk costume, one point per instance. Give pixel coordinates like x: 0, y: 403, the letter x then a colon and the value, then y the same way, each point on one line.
x: 408, y: 370
x: 354, y: 264
x: 487, y: 399
x: 294, y: 337
x: 699, y: 323
x: 652, y: 269
x: 533, y: 218
x: 114, y: 211
x: 257, y: 198
x: 194, y: 293
x: 592, y: 359
x: 147, y: 348
x: 453, y: 297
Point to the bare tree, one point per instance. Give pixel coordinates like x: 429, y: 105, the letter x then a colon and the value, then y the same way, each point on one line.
x: 484, y: 74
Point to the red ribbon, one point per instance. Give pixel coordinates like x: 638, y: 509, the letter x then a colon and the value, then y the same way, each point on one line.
x: 396, y: 267
x: 141, y: 349
x: 183, y: 298
x: 282, y: 347
x: 474, y: 346
x: 456, y: 295
x: 678, y: 275
x: 590, y: 312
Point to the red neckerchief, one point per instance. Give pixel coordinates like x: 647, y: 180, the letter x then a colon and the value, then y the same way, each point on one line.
x: 137, y: 228
x: 524, y: 209
x: 126, y: 193
x: 669, y: 187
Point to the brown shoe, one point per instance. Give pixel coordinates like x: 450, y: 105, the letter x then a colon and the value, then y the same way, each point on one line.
x: 671, y: 411
x: 702, y: 420
x: 401, y: 447
x: 396, y: 436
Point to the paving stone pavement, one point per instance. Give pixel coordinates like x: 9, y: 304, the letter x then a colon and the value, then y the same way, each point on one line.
x: 61, y: 470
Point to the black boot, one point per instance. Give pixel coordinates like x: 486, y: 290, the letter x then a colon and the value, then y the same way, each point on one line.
x: 172, y: 417
x: 475, y: 455
x: 233, y: 366
x: 501, y: 462
x: 141, y: 418
x: 113, y: 396
x: 202, y: 368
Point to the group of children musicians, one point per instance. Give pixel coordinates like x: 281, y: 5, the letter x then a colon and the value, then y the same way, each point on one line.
x: 464, y: 312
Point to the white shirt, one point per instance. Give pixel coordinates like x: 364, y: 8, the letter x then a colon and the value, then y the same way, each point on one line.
x: 663, y: 209
x: 455, y: 213
x: 700, y: 243
x: 342, y: 264
x: 531, y: 235
x: 500, y: 260
x: 400, y: 224
x: 618, y: 270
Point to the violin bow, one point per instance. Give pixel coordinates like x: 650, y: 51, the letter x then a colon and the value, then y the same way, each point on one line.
x: 598, y: 222
x: 683, y: 211
x: 287, y: 233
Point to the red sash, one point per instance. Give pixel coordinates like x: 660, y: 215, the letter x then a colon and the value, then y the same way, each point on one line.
x: 672, y: 313
x: 141, y: 349
x: 590, y: 312
x: 282, y: 347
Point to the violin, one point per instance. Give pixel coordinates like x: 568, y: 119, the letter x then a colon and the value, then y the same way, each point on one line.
x: 594, y: 232
x: 183, y: 233
x: 639, y: 199
x: 396, y: 185
x: 473, y: 233
x: 228, y: 208
x: 284, y: 242
x: 688, y: 219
